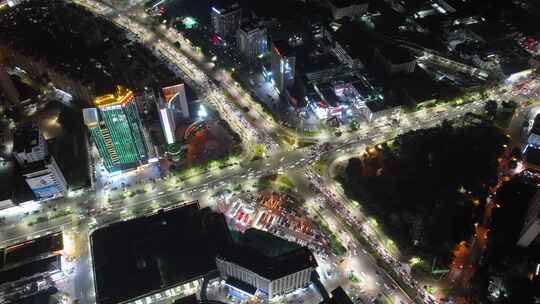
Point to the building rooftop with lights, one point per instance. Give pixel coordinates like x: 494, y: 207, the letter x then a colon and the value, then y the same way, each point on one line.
x: 117, y: 130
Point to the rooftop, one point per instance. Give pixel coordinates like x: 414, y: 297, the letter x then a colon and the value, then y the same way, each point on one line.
x: 268, y: 255
x: 532, y: 155
x: 120, y: 97
x: 6, y: 180
x: 25, y: 138
x: 252, y: 25
x: 25, y: 91
x: 30, y: 269
x: 396, y: 54
x: 346, y: 3
x: 152, y: 252
x: 32, y: 249
x: 36, y: 166
x: 225, y: 9
x: 284, y: 48
x: 339, y: 296
x: 536, y: 125
x: 191, y: 299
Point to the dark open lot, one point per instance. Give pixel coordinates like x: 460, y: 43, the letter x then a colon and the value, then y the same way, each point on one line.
x: 157, y: 251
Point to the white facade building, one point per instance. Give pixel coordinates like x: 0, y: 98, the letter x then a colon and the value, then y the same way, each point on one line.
x: 45, y: 178
x: 270, y: 286
x: 168, y: 125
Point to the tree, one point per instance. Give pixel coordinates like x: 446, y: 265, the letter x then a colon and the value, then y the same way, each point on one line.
x: 354, y: 170
x: 491, y: 108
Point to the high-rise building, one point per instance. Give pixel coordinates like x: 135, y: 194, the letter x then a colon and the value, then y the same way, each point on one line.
x: 252, y: 40
x: 117, y: 130
x: 226, y: 20
x: 531, y: 226
x: 175, y: 98
x: 29, y: 144
x: 172, y: 108
x: 283, y: 62
x: 45, y: 178
x: 168, y: 125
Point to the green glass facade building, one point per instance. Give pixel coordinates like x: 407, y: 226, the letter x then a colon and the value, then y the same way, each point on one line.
x: 117, y: 131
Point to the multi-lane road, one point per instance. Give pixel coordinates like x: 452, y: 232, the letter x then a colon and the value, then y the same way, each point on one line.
x: 167, y: 192
x: 255, y: 127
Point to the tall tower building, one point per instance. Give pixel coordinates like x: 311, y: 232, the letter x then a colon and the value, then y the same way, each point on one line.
x: 168, y: 124
x: 117, y: 130
x: 252, y: 40
x: 226, y: 20
x: 283, y: 63
x: 172, y: 108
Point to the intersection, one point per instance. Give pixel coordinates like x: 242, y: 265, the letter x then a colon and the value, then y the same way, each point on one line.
x: 89, y: 209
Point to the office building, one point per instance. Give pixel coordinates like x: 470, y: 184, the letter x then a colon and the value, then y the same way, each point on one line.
x: 531, y: 226
x: 168, y: 125
x: 283, y: 63
x: 395, y: 59
x: 252, y: 41
x: 260, y: 263
x: 45, y: 178
x: 175, y: 99
x: 225, y: 20
x: 347, y: 8
x: 39, y: 169
x: 117, y: 131
x: 29, y: 144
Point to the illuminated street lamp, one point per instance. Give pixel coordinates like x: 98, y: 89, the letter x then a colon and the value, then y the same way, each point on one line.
x: 415, y: 261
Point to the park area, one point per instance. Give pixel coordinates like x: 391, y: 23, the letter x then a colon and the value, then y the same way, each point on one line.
x: 428, y: 186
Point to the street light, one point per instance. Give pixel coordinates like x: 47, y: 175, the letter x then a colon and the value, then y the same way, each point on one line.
x: 415, y: 261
